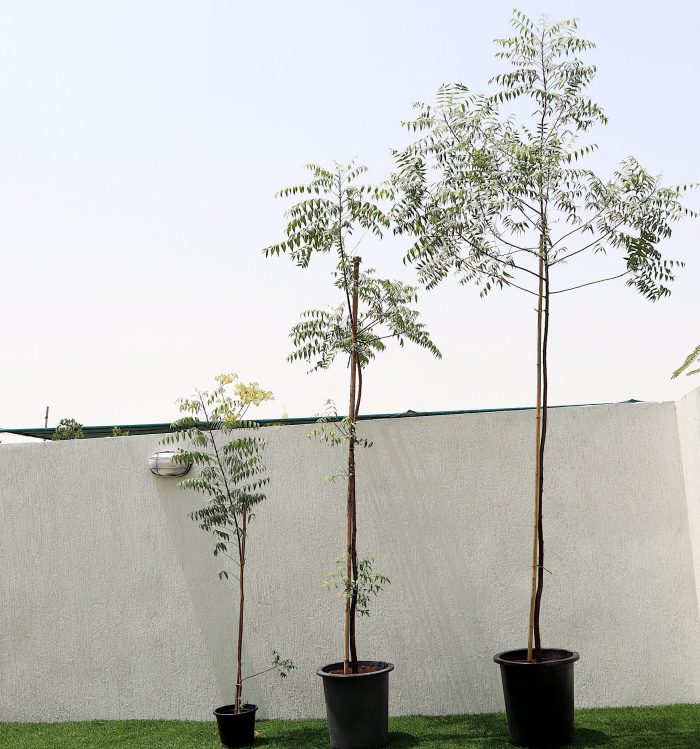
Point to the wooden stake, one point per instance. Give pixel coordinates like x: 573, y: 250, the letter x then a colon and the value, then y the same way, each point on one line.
x: 538, y: 464
x: 349, y: 654
x: 543, y: 439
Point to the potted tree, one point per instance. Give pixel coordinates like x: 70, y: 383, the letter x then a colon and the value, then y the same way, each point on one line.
x: 503, y: 199
x: 372, y: 311
x: 222, y: 443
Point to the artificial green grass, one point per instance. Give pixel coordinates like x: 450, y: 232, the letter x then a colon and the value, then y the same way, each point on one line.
x: 671, y: 727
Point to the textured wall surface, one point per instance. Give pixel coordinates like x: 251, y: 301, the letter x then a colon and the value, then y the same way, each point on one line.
x: 110, y: 606
x: 688, y: 415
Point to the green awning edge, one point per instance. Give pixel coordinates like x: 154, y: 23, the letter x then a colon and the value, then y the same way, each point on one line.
x: 93, y: 432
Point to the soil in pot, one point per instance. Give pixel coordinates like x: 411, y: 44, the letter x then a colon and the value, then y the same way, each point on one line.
x: 362, y: 668
x: 539, y: 697
x: 236, y: 729
x: 357, y: 705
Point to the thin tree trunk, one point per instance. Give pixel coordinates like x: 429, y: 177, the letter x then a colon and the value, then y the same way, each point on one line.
x: 349, y: 649
x: 353, y: 559
x: 241, y: 607
x: 538, y: 455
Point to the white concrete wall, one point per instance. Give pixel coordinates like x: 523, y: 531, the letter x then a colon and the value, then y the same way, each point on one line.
x: 688, y: 416
x: 110, y: 606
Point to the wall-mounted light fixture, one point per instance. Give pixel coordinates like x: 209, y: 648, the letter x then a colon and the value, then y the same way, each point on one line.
x: 165, y: 464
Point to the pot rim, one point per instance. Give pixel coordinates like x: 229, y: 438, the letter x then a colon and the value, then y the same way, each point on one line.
x: 323, y: 671
x: 503, y: 659
x: 224, y: 710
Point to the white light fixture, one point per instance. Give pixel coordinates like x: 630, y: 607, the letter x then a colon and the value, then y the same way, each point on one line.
x: 164, y: 464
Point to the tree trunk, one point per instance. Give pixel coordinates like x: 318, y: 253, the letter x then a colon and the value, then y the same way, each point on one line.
x: 533, y: 623
x: 350, y: 648
x: 241, y: 607
x: 353, y: 565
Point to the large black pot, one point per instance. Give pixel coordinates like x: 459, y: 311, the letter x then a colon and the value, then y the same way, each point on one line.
x: 357, y: 705
x: 539, y: 697
x: 236, y: 729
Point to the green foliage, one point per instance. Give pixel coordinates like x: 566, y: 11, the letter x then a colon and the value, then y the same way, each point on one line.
x: 223, y: 444
x: 497, y: 191
x: 68, y: 429
x: 692, y: 358
x: 283, y: 666
x: 481, y: 185
x: 232, y: 474
x: 325, y: 224
x: 368, y: 582
x: 335, y: 430
x: 118, y: 432
x: 385, y: 314
x: 371, y: 311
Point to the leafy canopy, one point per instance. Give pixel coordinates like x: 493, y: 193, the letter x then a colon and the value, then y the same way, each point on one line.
x: 335, y: 209
x: 223, y: 444
x: 368, y: 582
x: 325, y: 223
x: 68, y: 429
x: 486, y: 193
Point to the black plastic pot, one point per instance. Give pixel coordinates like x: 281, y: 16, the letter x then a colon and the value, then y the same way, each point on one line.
x: 539, y: 697
x: 357, y: 706
x: 236, y: 729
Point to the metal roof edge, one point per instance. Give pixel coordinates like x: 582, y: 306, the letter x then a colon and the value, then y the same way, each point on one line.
x: 94, y: 432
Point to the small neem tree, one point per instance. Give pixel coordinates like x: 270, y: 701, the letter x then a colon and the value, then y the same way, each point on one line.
x: 504, y: 200
x: 373, y: 311
x: 224, y: 445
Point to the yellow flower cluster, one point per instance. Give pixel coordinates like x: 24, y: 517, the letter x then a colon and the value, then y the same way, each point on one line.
x: 226, y: 378
x: 252, y: 393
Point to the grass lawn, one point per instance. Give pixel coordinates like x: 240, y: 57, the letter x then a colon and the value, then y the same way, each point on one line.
x: 674, y: 727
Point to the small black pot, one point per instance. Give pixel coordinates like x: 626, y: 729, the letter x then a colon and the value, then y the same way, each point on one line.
x: 539, y: 697
x: 357, y: 706
x: 236, y: 729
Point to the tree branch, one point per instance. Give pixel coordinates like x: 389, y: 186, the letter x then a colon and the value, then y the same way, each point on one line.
x: 591, y: 283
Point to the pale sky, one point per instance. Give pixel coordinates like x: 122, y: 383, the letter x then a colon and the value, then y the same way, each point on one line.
x: 142, y: 144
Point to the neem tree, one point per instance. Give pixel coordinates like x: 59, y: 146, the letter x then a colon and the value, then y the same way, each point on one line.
x: 373, y: 311
x: 232, y: 477
x: 504, y: 200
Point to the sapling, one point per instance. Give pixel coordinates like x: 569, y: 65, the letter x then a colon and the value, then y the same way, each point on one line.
x: 373, y: 310
x: 225, y: 446
x: 503, y: 199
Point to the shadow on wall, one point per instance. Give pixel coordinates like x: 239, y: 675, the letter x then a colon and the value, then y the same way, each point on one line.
x: 213, y: 604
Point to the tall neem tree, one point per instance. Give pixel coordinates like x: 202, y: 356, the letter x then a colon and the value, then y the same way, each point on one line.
x: 505, y: 199
x: 373, y: 311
